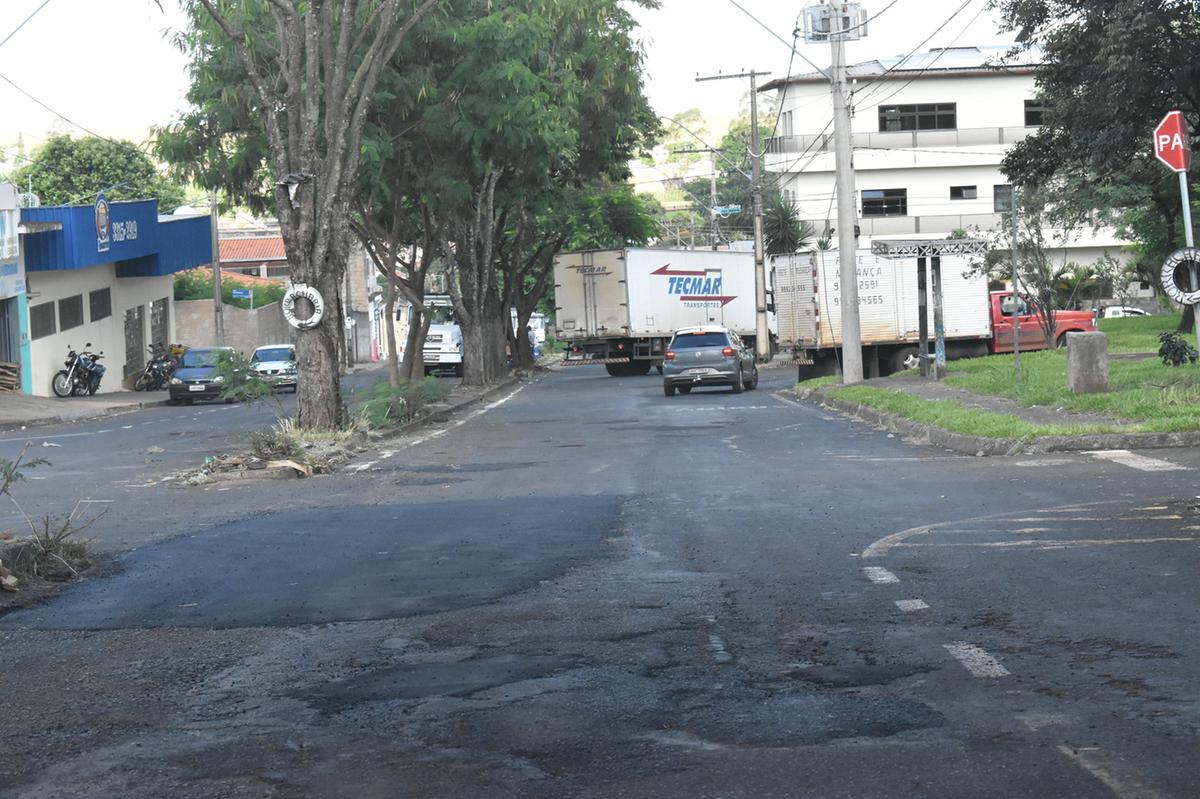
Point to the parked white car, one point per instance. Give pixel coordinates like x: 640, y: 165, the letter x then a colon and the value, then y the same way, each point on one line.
x: 277, y: 363
x: 1120, y: 312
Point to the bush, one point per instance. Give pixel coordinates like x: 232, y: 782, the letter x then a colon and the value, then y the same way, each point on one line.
x: 196, y: 284
x: 275, y: 443
x: 241, y: 382
x: 385, y: 406
x: 1174, y: 350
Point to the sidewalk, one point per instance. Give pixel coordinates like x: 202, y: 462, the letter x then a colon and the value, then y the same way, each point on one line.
x: 18, y: 411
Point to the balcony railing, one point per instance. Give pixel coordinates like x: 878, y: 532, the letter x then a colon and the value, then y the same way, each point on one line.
x: 901, y: 140
x: 910, y: 225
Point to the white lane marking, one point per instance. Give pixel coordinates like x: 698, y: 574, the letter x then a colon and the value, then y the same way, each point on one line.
x: 911, y: 605
x: 126, y: 427
x: 889, y: 542
x: 690, y: 409
x: 1125, y: 786
x: 1135, y: 461
x: 385, y: 454
x: 975, y: 660
x: 718, y: 647
x: 1052, y: 543
x: 880, y: 575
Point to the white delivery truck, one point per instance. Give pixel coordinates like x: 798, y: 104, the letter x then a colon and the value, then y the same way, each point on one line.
x: 443, y: 348
x: 620, y: 307
x: 809, y: 315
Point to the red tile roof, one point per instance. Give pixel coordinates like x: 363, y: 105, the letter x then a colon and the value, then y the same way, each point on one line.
x: 254, y: 248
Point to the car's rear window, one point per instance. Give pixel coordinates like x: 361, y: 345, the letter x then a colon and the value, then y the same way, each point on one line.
x: 691, y: 341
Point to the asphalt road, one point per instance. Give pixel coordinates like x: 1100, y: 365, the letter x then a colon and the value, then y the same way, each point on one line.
x: 587, y: 589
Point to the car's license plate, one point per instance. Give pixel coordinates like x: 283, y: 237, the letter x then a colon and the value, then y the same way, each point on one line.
x: 195, y: 388
x: 704, y: 371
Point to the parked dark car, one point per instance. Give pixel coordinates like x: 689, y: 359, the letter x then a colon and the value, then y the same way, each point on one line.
x: 197, y: 378
x: 708, y: 356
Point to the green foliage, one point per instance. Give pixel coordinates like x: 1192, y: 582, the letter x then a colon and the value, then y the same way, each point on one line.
x: 783, y: 230
x: 1174, y: 350
x: 11, y: 470
x: 239, y: 381
x: 384, y: 406
x: 67, y: 171
x: 197, y: 284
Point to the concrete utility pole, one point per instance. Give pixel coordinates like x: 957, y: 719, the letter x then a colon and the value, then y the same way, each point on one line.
x: 852, y: 360
x: 762, y: 332
x: 1016, y: 281
x: 218, y: 315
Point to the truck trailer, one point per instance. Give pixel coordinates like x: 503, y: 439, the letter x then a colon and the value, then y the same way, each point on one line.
x: 620, y: 307
x: 977, y: 322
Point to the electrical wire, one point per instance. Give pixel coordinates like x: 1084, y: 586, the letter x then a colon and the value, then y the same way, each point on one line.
x: 24, y: 22
x: 905, y: 59
x: 70, y: 121
x: 771, y: 31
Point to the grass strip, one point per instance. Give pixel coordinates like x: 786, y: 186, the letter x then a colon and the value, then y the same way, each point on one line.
x: 952, y: 415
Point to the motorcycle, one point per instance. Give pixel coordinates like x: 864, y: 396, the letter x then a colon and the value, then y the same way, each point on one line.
x: 159, y: 370
x: 82, y: 375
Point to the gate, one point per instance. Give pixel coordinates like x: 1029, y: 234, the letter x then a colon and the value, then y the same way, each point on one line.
x: 160, y: 323
x: 135, y: 340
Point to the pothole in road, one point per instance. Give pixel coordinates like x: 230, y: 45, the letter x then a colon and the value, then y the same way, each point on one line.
x: 860, y: 676
x: 421, y: 680
x: 798, y: 719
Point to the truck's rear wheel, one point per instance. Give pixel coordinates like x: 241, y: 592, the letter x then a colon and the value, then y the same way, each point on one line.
x: 640, y: 367
x: 617, y: 369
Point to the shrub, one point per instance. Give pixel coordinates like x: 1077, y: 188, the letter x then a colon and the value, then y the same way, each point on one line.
x: 385, y: 406
x: 241, y: 382
x: 275, y: 443
x: 1174, y: 350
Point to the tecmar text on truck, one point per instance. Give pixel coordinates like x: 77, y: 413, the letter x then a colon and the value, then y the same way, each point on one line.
x: 977, y: 322
x: 620, y: 307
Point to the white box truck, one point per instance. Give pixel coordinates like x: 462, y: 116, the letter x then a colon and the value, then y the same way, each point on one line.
x: 809, y: 315
x: 620, y: 307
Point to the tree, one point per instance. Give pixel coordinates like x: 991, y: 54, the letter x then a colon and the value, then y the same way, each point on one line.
x: 66, y: 171
x: 300, y: 77
x: 783, y: 230
x: 1145, y: 52
x: 547, y: 97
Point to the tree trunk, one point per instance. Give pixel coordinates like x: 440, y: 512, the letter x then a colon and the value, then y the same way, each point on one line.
x: 524, y: 346
x: 319, y: 395
x: 389, y: 315
x: 1187, y: 322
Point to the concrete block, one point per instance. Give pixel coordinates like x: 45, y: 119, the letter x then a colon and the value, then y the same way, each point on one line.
x: 1087, y: 363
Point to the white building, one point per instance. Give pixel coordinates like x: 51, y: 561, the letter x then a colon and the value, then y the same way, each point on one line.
x: 929, y: 134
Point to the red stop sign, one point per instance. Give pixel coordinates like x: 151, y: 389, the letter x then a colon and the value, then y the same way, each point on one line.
x: 1172, y: 145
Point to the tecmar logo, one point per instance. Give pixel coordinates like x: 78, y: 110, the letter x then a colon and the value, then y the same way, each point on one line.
x: 693, y: 286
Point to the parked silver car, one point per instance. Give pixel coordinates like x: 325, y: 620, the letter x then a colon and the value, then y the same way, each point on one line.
x: 708, y: 356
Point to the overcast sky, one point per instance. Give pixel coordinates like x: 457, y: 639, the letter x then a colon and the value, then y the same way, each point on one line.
x: 106, y: 64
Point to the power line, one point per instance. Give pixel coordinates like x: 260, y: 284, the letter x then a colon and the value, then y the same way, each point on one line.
x: 24, y: 22
x: 70, y: 121
x: 771, y: 31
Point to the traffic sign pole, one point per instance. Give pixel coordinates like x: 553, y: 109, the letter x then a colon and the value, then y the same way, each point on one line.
x: 1187, y: 215
x: 1173, y: 146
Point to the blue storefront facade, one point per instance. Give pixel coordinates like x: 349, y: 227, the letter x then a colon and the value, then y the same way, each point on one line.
x: 102, y: 274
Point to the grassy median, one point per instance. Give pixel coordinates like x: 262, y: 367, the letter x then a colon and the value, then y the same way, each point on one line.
x: 1145, y: 395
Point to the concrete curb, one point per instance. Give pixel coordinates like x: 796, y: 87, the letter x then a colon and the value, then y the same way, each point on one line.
x: 979, y: 445
x: 6, y: 427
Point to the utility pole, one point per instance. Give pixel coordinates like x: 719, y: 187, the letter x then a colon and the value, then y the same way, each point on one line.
x: 218, y: 315
x: 840, y: 22
x: 712, y: 187
x: 762, y: 332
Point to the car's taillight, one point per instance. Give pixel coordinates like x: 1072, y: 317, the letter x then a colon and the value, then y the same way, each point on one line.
x: 670, y: 356
x: 727, y: 352
x: 620, y: 346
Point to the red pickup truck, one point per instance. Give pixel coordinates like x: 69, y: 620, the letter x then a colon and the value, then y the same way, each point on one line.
x: 1029, y: 327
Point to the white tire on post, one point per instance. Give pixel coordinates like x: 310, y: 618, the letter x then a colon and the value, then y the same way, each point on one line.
x: 310, y: 293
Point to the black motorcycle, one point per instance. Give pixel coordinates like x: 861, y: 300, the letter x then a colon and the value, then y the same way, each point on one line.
x: 157, y: 375
x: 82, y: 375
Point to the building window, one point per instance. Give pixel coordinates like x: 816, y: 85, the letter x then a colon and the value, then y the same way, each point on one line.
x: 885, y: 202
x: 1034, y: 111
x: 70, y: 312
x: 100, y: 304
x: 786, y: 123
x: 926, y: 116
x: 1002, y: 198
x: 964, y: 193
x: 41, y: 320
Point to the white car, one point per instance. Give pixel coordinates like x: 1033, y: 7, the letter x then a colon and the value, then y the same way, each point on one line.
x: 277, y: 363
x: 1120, y: 312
